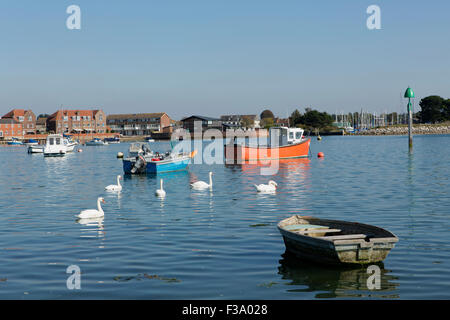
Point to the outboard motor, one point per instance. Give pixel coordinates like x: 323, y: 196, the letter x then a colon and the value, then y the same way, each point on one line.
x: 139, y: 166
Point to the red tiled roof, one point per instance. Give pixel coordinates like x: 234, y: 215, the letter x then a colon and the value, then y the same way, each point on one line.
x: 58, y: 114
x: 15, y: 113
x: 8, y: 121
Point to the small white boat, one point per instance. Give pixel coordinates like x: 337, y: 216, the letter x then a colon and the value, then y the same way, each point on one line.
x: 36, y: 149
x: 96, y: 142
x: 112, y: 140
x: 70, y: 145
x: 55, y: 146
x: 31, y: 142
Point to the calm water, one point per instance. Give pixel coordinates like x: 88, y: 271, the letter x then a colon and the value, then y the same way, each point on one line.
x: 222, y: 244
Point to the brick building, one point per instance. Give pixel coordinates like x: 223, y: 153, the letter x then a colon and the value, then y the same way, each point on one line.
x: 41, y: 125
x: 77, y: 121
x: 26, y: 117
x: 10, y: 128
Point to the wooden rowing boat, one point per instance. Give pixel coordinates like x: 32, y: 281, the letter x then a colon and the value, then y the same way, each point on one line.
x: 335, y: 242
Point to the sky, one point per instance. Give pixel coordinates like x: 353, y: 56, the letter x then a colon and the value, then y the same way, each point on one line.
x: 212, y: 58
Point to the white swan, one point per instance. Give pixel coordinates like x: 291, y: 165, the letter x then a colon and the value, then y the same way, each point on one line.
x: 160, y: 192
x: 202, y: 184
x: 92, y: 213
x: 115, y: 187
x: 271, y: 187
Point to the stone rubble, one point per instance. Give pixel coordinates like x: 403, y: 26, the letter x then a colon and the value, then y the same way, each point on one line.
x: 403, y: 130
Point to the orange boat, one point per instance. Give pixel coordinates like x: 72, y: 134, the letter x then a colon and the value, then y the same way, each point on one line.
x: 285, y: 143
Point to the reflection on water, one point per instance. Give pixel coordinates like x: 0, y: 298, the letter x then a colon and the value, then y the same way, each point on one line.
x: 222, y: 243
x: 334, y: 282
x: 94, y: 227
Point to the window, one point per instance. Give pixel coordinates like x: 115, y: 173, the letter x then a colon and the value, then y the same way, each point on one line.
x: 58, y: 140
x: 1, y: 133
x: 51, y: 141
x: 20, y: 118
x: 30, y: 118
x: 101, y: 118
x: 291, y: 135
x: 298, y: 135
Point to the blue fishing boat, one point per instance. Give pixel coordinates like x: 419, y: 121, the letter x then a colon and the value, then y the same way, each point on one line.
x: 15, y: 142
x: 143, y: 160
x: 31, y: 142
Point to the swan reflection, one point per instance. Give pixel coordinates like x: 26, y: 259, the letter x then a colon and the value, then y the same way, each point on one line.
x: 95, y: 227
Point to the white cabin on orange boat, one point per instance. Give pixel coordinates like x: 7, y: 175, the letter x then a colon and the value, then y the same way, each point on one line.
x: 282, y: 136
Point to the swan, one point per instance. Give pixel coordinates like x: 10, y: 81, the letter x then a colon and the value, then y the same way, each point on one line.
x: 160, y: 192
x: 202, y: 184
x: 115, y: 187
x: 271, y: 187
x: 92, y: 213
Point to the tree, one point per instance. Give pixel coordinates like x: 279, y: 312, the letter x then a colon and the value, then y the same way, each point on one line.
x: 447, y: 109
x: 295, y: 118
x: 433, y: 109
x: 266, y: 123
x: 247, y: 122
x: 267, y: 114
x: 316, y: 119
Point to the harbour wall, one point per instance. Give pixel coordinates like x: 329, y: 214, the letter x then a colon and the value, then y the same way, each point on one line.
x: 403, y: 130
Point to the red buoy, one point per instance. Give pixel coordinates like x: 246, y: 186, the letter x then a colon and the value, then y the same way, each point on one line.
x: 320, y: 155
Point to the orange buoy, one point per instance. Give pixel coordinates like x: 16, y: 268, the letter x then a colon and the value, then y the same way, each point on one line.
x: 320, y: 155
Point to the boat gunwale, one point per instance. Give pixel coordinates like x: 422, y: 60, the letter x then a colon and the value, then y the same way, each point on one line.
x: 267, y: 147
x: 392, y: 239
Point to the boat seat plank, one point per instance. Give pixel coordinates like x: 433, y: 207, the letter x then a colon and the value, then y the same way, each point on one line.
x: 292, y: 227
x: 318, y: 231
x: 344, y: 237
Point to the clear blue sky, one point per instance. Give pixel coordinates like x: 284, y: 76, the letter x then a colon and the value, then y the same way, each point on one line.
x: 221, y: 57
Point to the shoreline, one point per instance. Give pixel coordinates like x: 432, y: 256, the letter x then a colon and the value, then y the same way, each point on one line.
x: 403, y: 130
